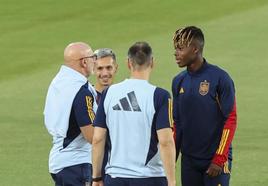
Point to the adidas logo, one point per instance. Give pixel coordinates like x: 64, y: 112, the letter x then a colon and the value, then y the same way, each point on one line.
x: 130, y: 105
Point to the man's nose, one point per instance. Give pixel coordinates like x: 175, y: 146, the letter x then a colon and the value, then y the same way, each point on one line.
x: 105, y: 71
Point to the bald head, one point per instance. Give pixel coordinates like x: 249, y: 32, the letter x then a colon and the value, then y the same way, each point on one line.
x: 79, y: 56
x: 75, y: 51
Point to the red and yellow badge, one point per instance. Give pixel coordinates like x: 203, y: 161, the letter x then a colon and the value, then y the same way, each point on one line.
x: 204, y: 87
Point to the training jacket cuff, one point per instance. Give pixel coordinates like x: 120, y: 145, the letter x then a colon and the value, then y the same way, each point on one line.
x: 219, y: 160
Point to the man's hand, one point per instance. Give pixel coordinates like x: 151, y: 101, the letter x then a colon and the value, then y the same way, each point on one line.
x: 214, y: 170
x: 99, y: 183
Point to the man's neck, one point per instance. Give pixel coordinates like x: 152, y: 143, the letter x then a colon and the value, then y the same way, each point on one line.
x: 196, y: 65
x: 143, y: 75
x: 99, y: 88
x: 76, y: 68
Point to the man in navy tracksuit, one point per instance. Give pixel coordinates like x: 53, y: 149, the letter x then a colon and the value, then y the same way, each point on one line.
x: 204, y: 112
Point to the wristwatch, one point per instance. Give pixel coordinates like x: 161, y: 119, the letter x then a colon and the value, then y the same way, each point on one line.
x: 97, y: 179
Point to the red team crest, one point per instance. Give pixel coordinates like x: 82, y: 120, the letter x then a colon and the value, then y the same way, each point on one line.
x: 204, y: 88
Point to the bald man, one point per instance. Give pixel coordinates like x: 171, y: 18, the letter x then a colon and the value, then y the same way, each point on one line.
x: 69, y: 113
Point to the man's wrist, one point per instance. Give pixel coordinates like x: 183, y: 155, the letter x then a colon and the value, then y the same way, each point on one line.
x: 219, y: 160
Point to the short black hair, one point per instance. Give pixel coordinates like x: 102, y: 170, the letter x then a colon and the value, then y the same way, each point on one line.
x: 185, y: 36
x: 140, y: 53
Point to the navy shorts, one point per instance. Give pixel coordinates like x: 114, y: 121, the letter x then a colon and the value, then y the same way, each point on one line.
x: 193, y: 173
x: 76, y: 175
x: 152, y: 181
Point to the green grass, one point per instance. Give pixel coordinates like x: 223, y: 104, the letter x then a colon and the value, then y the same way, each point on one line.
x: 33, y: 35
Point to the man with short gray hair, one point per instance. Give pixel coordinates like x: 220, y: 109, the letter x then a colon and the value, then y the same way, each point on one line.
x: 105, y: 68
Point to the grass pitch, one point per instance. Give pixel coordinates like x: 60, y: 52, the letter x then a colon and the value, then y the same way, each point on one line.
x: 33, y: 35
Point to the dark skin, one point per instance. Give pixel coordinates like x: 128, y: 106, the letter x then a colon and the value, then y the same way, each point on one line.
x: 191, y: 57
x: 214, y: 170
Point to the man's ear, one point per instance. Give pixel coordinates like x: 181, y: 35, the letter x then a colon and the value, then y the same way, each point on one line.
x: 196, y: 49
x: 152, y: 63
x: 116, y: 67
x: 129, y: 64
x: 83, y: 63
x: 94, y: 67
